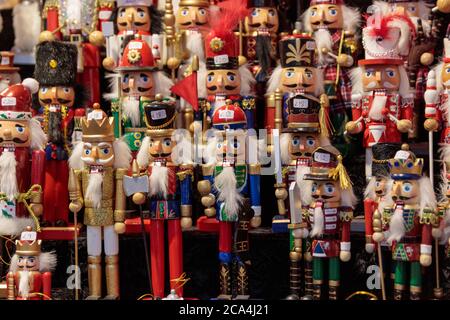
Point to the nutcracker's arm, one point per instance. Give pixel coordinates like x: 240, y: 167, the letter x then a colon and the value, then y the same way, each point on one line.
x: 120, y: 198
x: 37, y: 178
x: 407, y: 108
x: 185, y: 176
x: 432, y: 112
x: 369, y: 208
x: 255, y: 192
x: 47, y: 285
x: 249, y: 105
x: 274, y: 111
x: 75, y: 191
x: 11, y: 286
x: 350, y: 48
x: 346, y: 217
x: 357, y: 124
x: 207, y: 191
x: 427, y: 219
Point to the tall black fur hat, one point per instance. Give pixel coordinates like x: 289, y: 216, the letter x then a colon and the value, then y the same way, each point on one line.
x: 56, y: 64
x: 382, y: 152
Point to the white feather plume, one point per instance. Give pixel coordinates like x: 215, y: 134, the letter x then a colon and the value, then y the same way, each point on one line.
x: 14, y: 226
x: 113, y: 80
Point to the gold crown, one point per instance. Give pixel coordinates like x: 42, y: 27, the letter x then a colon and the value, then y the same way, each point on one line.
x: 194, y: 3
x: 405, y: 164
x: 28, y: 248
x: 98, y: 127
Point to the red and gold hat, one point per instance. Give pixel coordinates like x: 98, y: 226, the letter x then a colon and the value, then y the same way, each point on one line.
x: 28, y: 245
x: 137, y: 56
x: 229, y: 116
x: 7, y: 62
x: 317, y: 2
x: 134, y: 3
x: 15, y: 101
x: 405, y: 165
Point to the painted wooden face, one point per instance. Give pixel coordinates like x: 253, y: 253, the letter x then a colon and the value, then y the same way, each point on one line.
x: 409, y: 8
x: 407, y: 191
x: 15, y: 132
x: 98, y: 154
x: 380, y: 186
x: 28, y: 263
x: 193, y: 18
x: 223, y: 82
x: 137, y: 83
x: 303, y: 144
x: 445, y: 75
x: 133, y: 19
x: 56, y: 96
x: 381, y: 77
x: 326, y: 191
x: 262, y: 19
x: 161, y: 147
x: 299, y: 78
x: 326, y: 16
x: 231, y: 148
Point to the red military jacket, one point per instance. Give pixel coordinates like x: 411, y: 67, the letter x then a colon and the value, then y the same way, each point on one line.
x: 38, y: 283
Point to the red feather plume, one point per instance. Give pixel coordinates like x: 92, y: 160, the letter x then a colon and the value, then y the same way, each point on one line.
x: 231, y: 12
x: 382, y: 28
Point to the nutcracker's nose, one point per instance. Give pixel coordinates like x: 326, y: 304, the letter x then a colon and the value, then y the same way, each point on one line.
x: 94, y: 153
x: 220, y: 82
x: 321, y: 14
x: 378, y: 76
x: 157, y: 145
x: 131, y: 83
x: 7, y: 134
x: 130, y: 17
x: 263, y: 15
x: 194, y: 16
x: 300, y: 78
x: 396, y: 189
x: 317, y: 192
x: 302, y: 147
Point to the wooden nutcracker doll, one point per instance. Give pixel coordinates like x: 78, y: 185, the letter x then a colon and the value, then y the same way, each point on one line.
x: 22, y: 159
x: 97, y: 167
x: 231, y: 191
x: 408, y: 222
x: 140, y: 83
x: 444, y: 203
x: 9, y: 74
x: 331, y: 212
x: 226, y: 78
x: 166, y: 159
x: 305, y: 133
x: 133, y: 17
x: 30, y: 273
x: 382, y: 101
x: 58, y: 97
x: 334, y: 26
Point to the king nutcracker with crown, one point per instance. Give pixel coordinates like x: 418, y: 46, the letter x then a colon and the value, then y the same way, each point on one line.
x: 59, y: 99
x: 165, y: 157
x: 140, y: 82
x: 22, y: 159
x: 30, y: 272
x: 97, y: 166
x: 226, y: 78
x: 330, y: 212
x: 231, y: 192
x: 334, y: 27
x: 408, y: 222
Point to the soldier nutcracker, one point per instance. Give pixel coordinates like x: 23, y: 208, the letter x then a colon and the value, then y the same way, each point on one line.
x: 334, y: 26
x: 22, y: 159
x: 444, y: 206
x: 231, y: 191
x: 97, y: 167
x: 9, y: 74
x: 331, y: 212
x: 382, y: 101
x: 226, y: 78
x: 58, y: 96
x: 166, y: 159
x: 305, y: 133
x: 408, y: 222
x: 30, y: 273
x: 140, y: 83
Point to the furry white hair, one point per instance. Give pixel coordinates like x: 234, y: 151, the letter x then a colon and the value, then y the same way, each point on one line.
x: 14, y: 226
x: 38, y: 137
x: 304, y: 185
x: 75, y: 161
x: 194, y: 43
x: 323, y: 41
x: 27, y: 26
x: 247, y: 80
x: 348, y: 198
x: 356, y: 79
x: 162, y: 83
x: 143, y: 157
x: 113, y: 80
x: 369, y: 192
x: 427, y: 195
x: 351, y: 19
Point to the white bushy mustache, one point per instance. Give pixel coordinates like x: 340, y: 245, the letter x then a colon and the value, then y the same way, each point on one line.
x: 98, y: 161
x: 386, y: 84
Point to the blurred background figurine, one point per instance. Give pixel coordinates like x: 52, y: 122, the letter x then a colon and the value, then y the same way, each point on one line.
x: 9, y: 74
x: 27, y: 26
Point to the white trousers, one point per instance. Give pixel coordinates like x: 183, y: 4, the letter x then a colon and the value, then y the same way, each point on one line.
x: 94, y: 241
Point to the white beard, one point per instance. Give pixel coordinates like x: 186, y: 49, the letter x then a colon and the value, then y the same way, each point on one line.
x: 194, y: 43
x: 130, y: 107
x: 396, y: 226
x: 226, y: 183
x: 324, y: 40
x: 24, y: 286
x: 94, y: 190
x: 159, y: 181
x: 304, y: 185
x: 317, y: 229
x: 378, y: 104
x: 8, y: 179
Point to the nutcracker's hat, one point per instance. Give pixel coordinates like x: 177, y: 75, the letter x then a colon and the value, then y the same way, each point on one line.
x: 56, y: 64
x: 229, y: 117
x: 134, y: 3
x: 382, y: 152
x: 447, y: 45
x: 297, y: 50
x: 160, y: 116
x: 28, y: 245
x: 97, y: 126
x: 137, y: 56
x: 326, y: 164
x: 7, y: 62
x: 262, y: 3
x: 405, y: 165
x: 317, y: 2
x: 15, y: 101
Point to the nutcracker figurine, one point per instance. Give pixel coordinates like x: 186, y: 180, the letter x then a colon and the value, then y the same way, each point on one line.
x: 408, y: 221
x: 444, y: 205
x: 58, y: 96
x: 27, y: 26
x: 305, y: 133
x: 226, y: 78
x: 9, y: 74
x: 97, y: 167
x: 231, y: 191
x: 22, y: 159
x: 133, y: 17
x: 331, y: 212
x: 166, y: 158
x: 30, y: 273
x: 140, y: 83
x: 334, y: 26
x: 382, y: 101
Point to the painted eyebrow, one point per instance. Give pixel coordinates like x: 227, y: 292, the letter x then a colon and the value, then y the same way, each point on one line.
x: 211, y: 74
x: 87, y: 144
x: 19, y: 126
x: 140, y: 10
x: 104, y: 144
x: 308, y: 70
x: 290, y: 69
x: 231, y: 74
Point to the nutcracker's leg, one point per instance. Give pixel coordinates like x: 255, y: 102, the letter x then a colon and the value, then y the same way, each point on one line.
x: 400, y: 279
x: 111, y: 241
x: 368, y: 167
x: 308, y: 267
x: 62, y: 199
x: 94, y: 249
x: 317, y: 277
x: 49, y: 193
x: 415, y: 284
x: 225, y: 241
x: 334, y: 271
x: 175, y: 237
x: 157, y: 257
x: 295, y: 257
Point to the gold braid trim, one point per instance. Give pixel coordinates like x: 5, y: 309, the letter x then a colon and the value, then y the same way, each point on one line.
x: 183, y: 174
x: 428, y: 217
x: 339, y: 173
x: 346, y: 216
